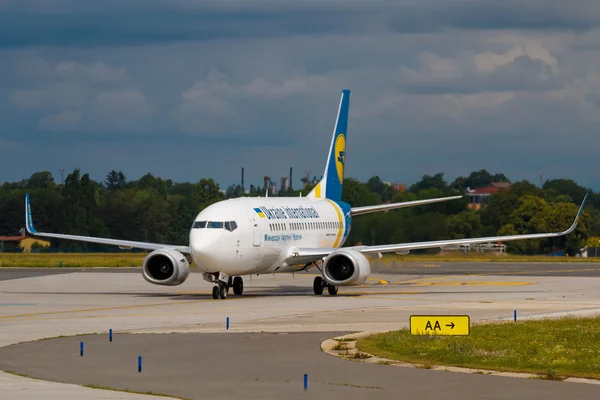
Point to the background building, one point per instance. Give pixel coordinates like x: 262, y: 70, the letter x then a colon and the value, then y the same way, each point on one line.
x: 16, y: 243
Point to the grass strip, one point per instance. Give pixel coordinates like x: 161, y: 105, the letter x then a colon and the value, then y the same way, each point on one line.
x: 114, y: 260
x: 552, y: 348
x: 71, y: 260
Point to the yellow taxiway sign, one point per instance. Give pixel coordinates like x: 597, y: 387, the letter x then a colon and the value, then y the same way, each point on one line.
x: 458, y: 325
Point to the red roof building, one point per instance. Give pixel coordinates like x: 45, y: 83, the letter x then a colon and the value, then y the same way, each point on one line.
x: 478, y: 196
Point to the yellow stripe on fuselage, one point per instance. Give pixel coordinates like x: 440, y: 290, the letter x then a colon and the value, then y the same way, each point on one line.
x: 338, y: 237
x: 318, y: 190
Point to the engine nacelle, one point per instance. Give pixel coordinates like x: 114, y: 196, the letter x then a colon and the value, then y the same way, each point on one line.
x: 346, y: 267
x: 166, y: 267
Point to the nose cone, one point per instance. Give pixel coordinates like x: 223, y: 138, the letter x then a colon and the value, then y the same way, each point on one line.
x: 206, y: 248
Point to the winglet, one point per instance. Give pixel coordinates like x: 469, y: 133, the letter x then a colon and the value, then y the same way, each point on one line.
x: 572, y: 228
x: 28, y: 219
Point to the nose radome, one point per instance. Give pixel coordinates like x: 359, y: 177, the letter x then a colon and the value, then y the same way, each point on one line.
x: 202, y: 242
x: 205, y: 247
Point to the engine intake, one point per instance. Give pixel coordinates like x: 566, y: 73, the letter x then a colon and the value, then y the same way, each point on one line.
x: 165, y: 267
x: 345, y: 268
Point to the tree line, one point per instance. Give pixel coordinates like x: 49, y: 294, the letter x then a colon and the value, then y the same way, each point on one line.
x: 160, y: 210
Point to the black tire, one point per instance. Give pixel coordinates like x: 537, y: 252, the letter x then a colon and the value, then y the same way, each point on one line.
x: 215, y: 292
x: 238, y: 285
x: 318, y: 286
x: 223, y: 291
x: 332, y: 290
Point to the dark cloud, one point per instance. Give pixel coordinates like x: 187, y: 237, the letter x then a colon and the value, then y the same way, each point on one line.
x: 448, y: 86
x: 493, y: 15
x: 111, y: 23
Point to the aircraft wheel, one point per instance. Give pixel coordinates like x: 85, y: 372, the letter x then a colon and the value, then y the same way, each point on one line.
x: 318, y: 285
x: 332, y: 290
x: 238, y: 285
x: 215, y: 292
x: 223, y: 291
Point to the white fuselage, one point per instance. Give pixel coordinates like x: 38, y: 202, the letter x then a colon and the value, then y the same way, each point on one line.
x: 260, y: 242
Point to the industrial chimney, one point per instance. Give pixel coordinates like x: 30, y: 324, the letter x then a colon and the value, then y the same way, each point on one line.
x: 243, y: 191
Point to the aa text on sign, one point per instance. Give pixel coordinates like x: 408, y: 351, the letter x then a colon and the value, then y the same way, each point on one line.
x: 457, y: 325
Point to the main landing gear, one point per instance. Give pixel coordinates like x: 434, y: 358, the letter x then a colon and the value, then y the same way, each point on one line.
x: 224, y: 282
x: 319, y: 284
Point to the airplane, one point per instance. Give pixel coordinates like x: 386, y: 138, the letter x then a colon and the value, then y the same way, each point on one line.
x: 262, y: 235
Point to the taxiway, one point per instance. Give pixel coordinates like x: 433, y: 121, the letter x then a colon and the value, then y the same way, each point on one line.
x: 276, y: 328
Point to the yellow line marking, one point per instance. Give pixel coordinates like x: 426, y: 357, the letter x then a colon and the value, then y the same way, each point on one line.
x: 380, y: 281
x: 464, y: 283
x: 96, y: 309
x: 534, y: 271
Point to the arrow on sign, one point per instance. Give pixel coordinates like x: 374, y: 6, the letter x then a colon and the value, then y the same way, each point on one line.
x: 454, y: 325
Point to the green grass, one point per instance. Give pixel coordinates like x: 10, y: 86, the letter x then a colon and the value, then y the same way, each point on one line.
x: 115, y: 260
x: 9, y: 371
x: 341, y: 346
x: 71, y: 260
x: 552, y: 348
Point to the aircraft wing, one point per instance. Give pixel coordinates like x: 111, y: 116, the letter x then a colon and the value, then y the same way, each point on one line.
x: 385, y: 207
x: 305, y: 255
x: 127, y: 244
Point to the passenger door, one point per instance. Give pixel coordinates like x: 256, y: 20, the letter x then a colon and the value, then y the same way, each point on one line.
x: 256, y: 230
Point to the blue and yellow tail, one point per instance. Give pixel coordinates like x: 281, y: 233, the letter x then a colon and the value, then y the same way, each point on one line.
x: 330, y: 187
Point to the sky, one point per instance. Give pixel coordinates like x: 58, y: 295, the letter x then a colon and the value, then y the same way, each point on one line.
x: 191, y: 89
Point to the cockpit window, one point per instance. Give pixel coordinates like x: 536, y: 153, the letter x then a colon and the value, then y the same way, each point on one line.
x: 229, y: 225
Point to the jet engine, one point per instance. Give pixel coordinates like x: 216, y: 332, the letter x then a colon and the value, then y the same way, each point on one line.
x: 346, y: 267
x: 166, y: 267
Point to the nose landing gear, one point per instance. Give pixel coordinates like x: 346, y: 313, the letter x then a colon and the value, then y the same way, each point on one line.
x: 224, y: 282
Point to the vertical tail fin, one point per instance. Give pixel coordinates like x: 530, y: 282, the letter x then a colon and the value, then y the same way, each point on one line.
x: 331, y: 185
